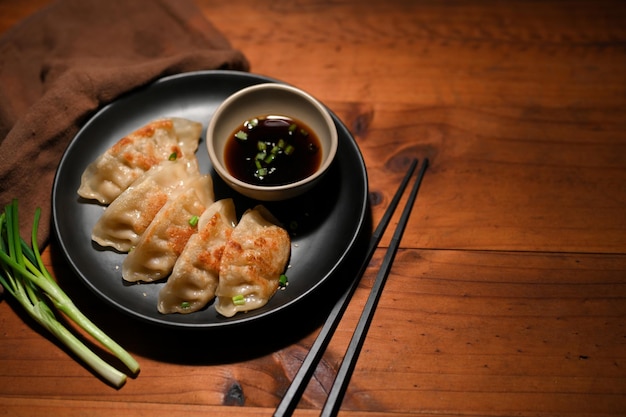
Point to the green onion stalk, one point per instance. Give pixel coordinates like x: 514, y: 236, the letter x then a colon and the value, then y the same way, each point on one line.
x: 25, y: 277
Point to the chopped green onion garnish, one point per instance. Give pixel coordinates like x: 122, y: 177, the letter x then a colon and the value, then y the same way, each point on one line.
x: 173, y: 156
x: 251, y: 123
x: 289, y: 149
x: 283, y: 281
x: 193, y: 221
x: 260, y: 145
x: 275, y: 149
x: 270, y: 158
x: 185, y: 304
x: 261, y: 172
x: 238, y: 300
x: 292, y: 127
x: 257, y: 164
x: 281, y: 144
x: 241, y: 135
x: 260, y: 156
x: 304, y: 132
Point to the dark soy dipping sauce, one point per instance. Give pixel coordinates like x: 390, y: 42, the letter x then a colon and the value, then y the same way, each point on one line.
x: 272, y: 150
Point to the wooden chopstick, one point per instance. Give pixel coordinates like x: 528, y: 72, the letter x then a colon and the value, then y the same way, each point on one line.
x: 298, y: 384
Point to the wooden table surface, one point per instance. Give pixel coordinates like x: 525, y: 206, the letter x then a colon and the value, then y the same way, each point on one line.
x: 508, y: 292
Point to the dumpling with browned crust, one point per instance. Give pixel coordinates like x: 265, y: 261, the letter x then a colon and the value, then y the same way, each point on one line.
x: 253, y: 260
x: 124, y: 221
x: 161, y: 244
x: 131, y: 156
x: 192, y: 284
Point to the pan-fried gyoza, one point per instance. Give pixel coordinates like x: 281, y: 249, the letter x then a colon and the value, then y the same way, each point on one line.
x: 117, y: 168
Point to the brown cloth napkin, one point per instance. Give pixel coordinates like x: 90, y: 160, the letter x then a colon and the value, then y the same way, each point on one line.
x: 63, y: 63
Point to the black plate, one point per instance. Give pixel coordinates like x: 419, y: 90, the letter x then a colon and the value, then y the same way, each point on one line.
x: 328, y: 219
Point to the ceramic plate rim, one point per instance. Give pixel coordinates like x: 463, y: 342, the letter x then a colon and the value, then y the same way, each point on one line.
x: 215, y: 76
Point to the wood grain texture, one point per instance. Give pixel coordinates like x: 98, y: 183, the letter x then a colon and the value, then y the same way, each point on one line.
x: 508, y: 294
x: 527, y: 146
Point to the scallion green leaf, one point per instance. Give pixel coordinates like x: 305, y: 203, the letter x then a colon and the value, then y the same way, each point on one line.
x: 24, y: 276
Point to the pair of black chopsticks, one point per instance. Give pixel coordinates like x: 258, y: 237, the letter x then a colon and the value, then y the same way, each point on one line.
x: 300, y: 381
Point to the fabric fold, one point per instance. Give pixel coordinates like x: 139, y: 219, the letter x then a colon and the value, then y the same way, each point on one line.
x: 59, y: 66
